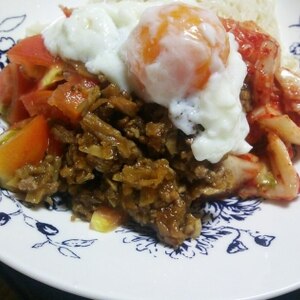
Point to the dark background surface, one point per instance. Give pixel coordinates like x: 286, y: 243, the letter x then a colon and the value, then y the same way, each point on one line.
x: 15, y: 286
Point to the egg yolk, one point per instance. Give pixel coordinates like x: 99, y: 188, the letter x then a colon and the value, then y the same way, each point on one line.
x: 163, y: 29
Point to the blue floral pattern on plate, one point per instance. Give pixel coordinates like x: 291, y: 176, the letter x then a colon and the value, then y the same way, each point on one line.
x: 217, y: 216
x: 295, y: 47
x: 65, y: 247
x: 8, y: 25
x: 216, y: 219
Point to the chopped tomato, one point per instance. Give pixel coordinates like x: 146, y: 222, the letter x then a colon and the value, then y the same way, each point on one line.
x: 31, y: 50
x: 36, y: 103
x: 13, y: 84
x: 6, y: 85
x: 55, y: 89
x: 69, y: 96
x: 32, y: 54
x: 17, y: 112
x: 24, y: 143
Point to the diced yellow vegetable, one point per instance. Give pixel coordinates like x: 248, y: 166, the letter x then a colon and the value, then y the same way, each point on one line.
x: 106, y: 219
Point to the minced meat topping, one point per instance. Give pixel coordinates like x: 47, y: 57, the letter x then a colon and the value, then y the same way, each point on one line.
x: 126, y: 154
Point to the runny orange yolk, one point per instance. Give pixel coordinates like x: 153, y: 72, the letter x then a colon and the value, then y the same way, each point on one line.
x: 190, y: 22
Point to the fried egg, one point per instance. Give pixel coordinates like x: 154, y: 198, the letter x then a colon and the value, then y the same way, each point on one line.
x: 181, y: 57
x: 172, y: 53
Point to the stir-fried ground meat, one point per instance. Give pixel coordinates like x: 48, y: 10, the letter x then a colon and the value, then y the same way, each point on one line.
x: 38, y: 182
x: 126, y: 154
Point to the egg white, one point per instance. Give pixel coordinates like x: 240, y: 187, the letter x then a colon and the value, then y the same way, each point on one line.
x: 94, y: 35
x: 218, y: 110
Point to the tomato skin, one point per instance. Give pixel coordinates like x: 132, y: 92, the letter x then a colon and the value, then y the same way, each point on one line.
x: 17, y: 112
x: 32, y: 50
x: 26, y: 143
x: 55, y: 89
x: 32, y: 54
x: 6, y: 86
x: 68, y: 97
x: 36, y: 103
x: 13, y: 84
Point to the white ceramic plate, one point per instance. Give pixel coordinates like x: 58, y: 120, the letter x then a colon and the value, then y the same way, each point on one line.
x: 247, y: 250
